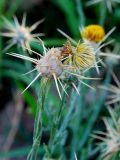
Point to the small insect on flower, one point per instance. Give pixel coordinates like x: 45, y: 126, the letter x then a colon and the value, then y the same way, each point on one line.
x: 19, y: 33
x: 50, y: 65
x: 114, y: 90
x: 110, y: 144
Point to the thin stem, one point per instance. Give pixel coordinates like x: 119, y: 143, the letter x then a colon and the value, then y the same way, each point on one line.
x: 55, y: 126
x: 38, y: 121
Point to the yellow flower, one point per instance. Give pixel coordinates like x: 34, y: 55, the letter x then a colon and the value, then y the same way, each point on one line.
x: 94, y: 33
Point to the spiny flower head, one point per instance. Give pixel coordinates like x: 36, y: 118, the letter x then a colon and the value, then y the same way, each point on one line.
x: 81, y: 57
x: 19, y: 33
x: 51, y: 65
x: 110, y: 144
x: 93, y: 33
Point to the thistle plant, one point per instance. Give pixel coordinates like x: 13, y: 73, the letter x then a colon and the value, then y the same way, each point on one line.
x: 110, y: 140
x: 20, y: 34
x: 66, y: 66
x: 52, y: 65
x: 56, y: 64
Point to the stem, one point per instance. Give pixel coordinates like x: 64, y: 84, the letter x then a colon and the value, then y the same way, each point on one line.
x: 56, y: 124
x: 38, y: 121
x: 74, y: 97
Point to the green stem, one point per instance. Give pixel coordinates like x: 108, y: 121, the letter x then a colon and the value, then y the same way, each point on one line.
x: 38, y: 121
x: 74, y: 97
x: 75, y: 138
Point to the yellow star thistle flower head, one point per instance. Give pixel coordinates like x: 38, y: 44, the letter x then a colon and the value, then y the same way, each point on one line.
x: 81, y: 57
x: 93, y: 33
x: 19, y: 33
x: 110, y: 144
x: 51, y: 65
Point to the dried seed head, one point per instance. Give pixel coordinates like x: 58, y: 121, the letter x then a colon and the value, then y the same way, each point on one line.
x: 82, y: 57
x: 50, y: 64
x: 94, y: 33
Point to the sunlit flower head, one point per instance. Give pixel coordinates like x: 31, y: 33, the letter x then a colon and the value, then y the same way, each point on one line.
x: 93, y: 33
x: 51, y: 65
x: 110, y: 144
x: 20, y: 34
x: 81, y: 57
x: 114, y: 91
